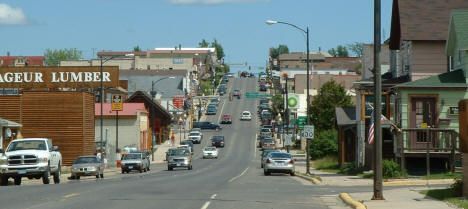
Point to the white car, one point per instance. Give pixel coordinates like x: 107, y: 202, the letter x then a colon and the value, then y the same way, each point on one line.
x: 210, y: 152
x: 195, y: 137
x: 246, y: 115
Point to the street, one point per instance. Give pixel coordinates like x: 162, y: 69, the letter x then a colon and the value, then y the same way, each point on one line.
x: 235, y: 180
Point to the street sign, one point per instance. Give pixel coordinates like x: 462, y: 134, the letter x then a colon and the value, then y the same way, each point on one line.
x: 117, y: 103
x: 254, y: 95
x: 308, y: 131
x: 288, y: 140
x: 301, y: 121
x: 293, y: 101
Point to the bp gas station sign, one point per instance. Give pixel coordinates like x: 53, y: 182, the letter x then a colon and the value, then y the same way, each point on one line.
x: 293, y: 101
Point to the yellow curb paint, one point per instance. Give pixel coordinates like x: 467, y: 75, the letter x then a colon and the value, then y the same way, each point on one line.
x: 351, y: 202
x: 311, y: 179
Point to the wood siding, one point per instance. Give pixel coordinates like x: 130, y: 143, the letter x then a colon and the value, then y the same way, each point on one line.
x: 428, y: 57
x: 65, y: 117
x: 10, y: 107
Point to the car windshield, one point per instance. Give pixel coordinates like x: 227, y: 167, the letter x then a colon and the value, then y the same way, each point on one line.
x: 266, y: 152
x: 131, y: 157
x: 83, y: 160
x: 246, y: 113
x: 194, y: 134
x: 210, y: 149
x: 217, y: 138
x: 27, y: 145
x: 178, y: 152
x: 280, y: 155
x: 265, y: 130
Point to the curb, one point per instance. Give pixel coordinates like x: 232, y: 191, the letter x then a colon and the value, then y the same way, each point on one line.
x: 351, y: 202
x: 417, y: 183
x: 314, y: 180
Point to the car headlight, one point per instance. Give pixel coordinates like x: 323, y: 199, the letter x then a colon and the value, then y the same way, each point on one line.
x: 43, y: 160
x: 3, y: 160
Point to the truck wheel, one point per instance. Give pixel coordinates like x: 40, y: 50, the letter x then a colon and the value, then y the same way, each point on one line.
x: 102, y: 175
x: 57, y: 174
x: 17, y: 181
x: 4, y: 181
x: 169, y: 168
x: 45, y: 177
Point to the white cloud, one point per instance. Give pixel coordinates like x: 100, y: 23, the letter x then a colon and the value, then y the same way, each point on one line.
x: 211, y: 2
x: 11, y: 16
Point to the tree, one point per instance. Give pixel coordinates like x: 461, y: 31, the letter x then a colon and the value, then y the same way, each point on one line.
x: 281, y: 49
x: 340, y: 51
x: 277, y: 104
x: 54, y: 56
x: 322, y: 109
x: 357, y: 48
x: 136, y: 48
x: 203, y: 44
x: 219, y: 49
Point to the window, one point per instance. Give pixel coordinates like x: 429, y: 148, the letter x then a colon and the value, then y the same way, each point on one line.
x: 286, y: 66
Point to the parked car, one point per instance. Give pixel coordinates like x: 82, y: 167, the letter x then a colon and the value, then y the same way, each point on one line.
x: 210, y: 152
x: 195, y: 136
x: 214, y: 101
x: 265, y: 152
x: 279, y: 162
x: 206, y: 125
x: 87, y: 166
x: 268, y: 144
x: 180, y: 157
x: 211, y: 110
x: 217, y: 141
x: 134, y: 161
x: 263, y: 138
x: 246, y: 115
x: 266, y: 132
x: 263, y: 87
x: 226, y: 119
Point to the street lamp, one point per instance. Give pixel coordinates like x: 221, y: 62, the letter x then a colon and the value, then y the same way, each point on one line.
x: 306, y: 31
x: 180, y: 131
x: 185, y: 119
x: 101, y: 91
x: 153, y: 92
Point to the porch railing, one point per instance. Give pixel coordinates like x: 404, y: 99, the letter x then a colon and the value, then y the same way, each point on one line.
x: 428, y: 141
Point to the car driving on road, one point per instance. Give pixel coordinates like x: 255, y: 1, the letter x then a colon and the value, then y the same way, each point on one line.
x: 179, y: 158
x: 246, y: 115
x: 226, y: 119
x: 206, y: 125
x: 210, y: 152
x: 134, y: 161
x: 87, y: 166
x: 195, y: 136
x: 217, y: 141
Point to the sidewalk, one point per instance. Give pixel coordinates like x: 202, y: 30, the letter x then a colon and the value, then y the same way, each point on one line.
x: 395, y: 197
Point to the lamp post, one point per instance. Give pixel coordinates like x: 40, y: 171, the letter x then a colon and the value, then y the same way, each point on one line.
x: 153, y: 94
x: 306, y: 31
x: 280, y: 123
x: 180, y: 131
x: 101, y: 91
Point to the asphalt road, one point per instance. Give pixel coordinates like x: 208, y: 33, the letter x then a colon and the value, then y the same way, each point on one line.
x: 233, y: 181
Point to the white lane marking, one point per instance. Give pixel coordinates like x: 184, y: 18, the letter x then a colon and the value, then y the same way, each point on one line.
x: 255, y: 146
x: 205, y: 206
x: 71, y: 195
x: 240, y: 175
x: 221, y: 113
x: 213, y: 196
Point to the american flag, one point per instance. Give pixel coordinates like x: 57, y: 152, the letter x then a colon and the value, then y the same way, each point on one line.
x: 371, y: 137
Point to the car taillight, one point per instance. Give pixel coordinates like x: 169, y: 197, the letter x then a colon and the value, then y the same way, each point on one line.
x: 268, y: 161
x: 291, y: 161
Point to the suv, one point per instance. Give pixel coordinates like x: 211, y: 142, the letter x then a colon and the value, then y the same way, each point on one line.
x: 135, y: 161
x: 195, y: 136
x: 32, y: 158
x: 180, y: 157
x: 206, y: 125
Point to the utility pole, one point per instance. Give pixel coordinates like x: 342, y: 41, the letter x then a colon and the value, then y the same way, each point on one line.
x: 378, y: 187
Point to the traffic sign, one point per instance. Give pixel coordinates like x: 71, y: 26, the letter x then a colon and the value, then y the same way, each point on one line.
x: 117, y: 103
x: 301, y: 121
x: 308, y: 131
x: 288, y: 140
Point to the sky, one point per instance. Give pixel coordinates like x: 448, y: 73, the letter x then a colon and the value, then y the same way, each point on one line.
x: 29, y: 27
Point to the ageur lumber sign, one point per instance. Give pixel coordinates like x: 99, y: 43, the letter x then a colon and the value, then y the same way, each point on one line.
x: 58, y: 77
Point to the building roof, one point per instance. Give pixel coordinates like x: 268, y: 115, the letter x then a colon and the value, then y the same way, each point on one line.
x: 31, y: 60
x: 349, y: 63
x: 345, y: 116
x: 453, y: 79
x: 159, y: 111
x: 300, y: 56
x: 421, y: 20
x: 458, y: 31
x: 129, y: 109
x: 120, y: 53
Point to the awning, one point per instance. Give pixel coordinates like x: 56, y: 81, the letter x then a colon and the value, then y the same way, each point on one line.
x: 9, y: 124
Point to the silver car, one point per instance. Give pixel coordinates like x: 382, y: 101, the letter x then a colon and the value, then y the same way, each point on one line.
x: 279, y: 162
x: 135, y: 161
x: 180, y: 157
x: 87, y: 166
